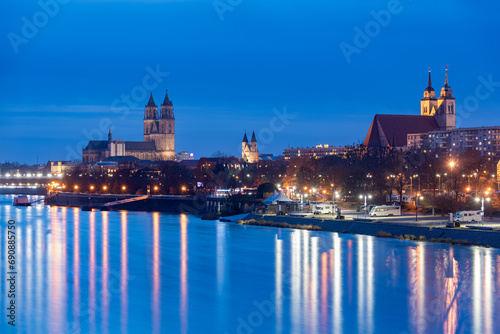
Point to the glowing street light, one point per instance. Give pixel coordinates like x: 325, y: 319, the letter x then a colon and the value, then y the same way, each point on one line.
x: 482, y: 203
x: 365, y: 196
x: 416, y: 205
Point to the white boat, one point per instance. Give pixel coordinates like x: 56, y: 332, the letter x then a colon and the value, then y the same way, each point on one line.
x: 21, y: 200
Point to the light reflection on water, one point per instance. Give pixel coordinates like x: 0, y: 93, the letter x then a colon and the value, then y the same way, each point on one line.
x: 119, y: 272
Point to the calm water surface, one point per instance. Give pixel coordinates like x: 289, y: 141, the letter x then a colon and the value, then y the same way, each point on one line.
x: 137, y: 272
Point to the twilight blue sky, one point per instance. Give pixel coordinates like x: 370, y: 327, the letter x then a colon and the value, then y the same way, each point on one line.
x: 65, y: 82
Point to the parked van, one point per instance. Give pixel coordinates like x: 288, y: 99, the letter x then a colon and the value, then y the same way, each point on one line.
x: 468, y: 216
x: 385, y: 210
x: 322, y: 208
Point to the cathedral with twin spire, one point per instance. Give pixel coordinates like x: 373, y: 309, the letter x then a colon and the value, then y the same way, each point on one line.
x: 249, y: 151
x: 442, y: 108
x: 158, y: 142
x: 399, y: 131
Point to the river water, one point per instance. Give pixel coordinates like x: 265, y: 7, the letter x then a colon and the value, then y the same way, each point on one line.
x: 139, y: 272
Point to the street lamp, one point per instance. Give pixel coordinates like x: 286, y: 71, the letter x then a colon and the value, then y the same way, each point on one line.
x: 482, y: 203
x: 365, y: 196
x: 452, y: 164
x: 416, y: 205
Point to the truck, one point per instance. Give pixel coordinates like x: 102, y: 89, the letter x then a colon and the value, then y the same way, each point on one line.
x: 468, y: 216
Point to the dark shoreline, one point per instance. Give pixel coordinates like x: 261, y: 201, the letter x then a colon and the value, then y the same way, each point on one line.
x: 174, y: 204
x: 460, y: 236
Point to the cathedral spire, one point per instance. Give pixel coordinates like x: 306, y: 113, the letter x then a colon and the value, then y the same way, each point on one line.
x: 151, y: 102
x: 166, y: 101
x: 245, y: 138
x: 110, y: 137
x: 446, y: 90
x: 254, y: 140
x: 430, y: 82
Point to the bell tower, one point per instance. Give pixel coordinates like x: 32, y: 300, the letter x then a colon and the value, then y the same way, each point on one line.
x: 428, y: 105
x: 445, y: 115
x: 150, y: 119
x: 167, y: 129
x: 254, y: 152
x: 245, y: 149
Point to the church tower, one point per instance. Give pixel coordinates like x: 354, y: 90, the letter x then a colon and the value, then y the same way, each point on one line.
x: 245, y: 149
x: 428, y: 105
x: 150, y: 119
x: 160, y: 130
x: 445, y: 115
x: 249, y: 151
x: 167, y: 129
x: 254, y: 152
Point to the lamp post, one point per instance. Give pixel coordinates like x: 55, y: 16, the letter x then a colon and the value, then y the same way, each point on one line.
x: 333, y: 200
x: 365, y: 196
x: 482, y: 203
x: 453, y: 182
x: 416, y: 206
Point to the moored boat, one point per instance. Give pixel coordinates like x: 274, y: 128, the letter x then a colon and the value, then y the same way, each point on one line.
x: 21, y: 200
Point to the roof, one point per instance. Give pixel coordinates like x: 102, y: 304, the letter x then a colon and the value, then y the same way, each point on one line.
x: 166, y: 101
x: 392, y: 130
x: 253, y: 140
x: 189, y: 163
x: 140, y: 146
x: 277, y: 197
x: 271, y: 198
x: 245, y: 138
x: 122, y: 158
x: 151, y: 102
x: 97, y: 145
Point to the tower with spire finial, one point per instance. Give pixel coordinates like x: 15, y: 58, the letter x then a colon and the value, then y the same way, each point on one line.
x: 160, y: 130
x: 158, y: 143
x: 445, y: 114
x: 150, y: 119
x: 245, y: 149
x: 249, y: 151
x: 428, y: 105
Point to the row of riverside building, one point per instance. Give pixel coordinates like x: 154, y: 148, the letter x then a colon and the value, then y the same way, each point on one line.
x: 434, y: 129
